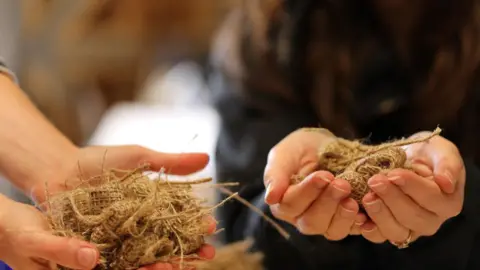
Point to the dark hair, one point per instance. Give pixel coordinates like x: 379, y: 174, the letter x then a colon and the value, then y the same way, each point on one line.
x: 328, y: 43
x: 330, y: 40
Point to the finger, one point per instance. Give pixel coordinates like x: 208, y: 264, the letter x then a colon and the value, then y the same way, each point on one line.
x: 157, y: 266
x: 360, y: 219
x: 209, y: 224
x: 207, y: 252
x: 371, y: 232
x: 131, y: 156
x: 426, y: 193
x: 407, y: 212
x: 383, y: 218
x: 178, y: 164
x: 422, y: 167
x: 64, y: 251
x: 277, y: 176
x: 288, y: 158
x: 317, y: 218
x: 299, y: 197
x: 448, y: 170
x: 343, y: 220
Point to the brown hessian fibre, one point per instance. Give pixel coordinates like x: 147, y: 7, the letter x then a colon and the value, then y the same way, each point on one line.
x: 356, y: 162
x: 136, y: 221
x: 133, y: 220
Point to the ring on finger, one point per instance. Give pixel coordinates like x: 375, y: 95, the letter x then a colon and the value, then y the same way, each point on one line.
x: 406, y: 243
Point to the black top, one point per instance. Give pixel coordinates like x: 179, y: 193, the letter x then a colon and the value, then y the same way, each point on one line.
x: 250, y: 128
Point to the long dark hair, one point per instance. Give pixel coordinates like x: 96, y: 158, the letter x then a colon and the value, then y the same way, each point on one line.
x: 322, y: 45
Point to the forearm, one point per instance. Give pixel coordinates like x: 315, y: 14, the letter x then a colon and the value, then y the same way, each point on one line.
x: 31, y: 149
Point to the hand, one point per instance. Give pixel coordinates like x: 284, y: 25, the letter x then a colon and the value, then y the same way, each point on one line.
x: 320, y: 204
x: 92, y: 160
x: 418, y: 201
x: 27, y: 244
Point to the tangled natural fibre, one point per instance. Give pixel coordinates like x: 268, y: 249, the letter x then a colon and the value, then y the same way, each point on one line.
x: 133, y: 220
x: 356, y: 162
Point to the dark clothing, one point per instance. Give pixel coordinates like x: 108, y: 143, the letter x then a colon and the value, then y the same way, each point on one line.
x: 253, y: 123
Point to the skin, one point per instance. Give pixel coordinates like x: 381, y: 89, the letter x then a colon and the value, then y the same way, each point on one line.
x: 401, y: 201
x: 32, y: 151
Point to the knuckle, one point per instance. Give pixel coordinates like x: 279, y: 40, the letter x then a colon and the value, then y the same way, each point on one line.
x: 335, y: 236
x: 279, y: 214
x: 453, y: 211
x: 397, y: 237
x: 374, y: 237
x: 308, y: 227
x: 281, y: 211
x: 271, y: 154
x: 431, y: 230
x: 378, y: 240
x: 415, y: 220
x: 276, y: 212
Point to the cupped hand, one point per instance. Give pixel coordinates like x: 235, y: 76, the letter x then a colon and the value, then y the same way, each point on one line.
x: 320, y: 204
x: 91, y: 161
x: 416, y: 203
x: 27, y: 244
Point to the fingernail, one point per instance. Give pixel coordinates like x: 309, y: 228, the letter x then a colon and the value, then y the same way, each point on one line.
x: 267, y: 193
x: 369, y: 229
x: 449, y: 176
x: 346, y: 213
x: 338, y: 193
x: 373, y: 207
x: 325, y: 179
x: 422, y: 169
x: 359, y: 221
x: 323, y: 183
x: 377, y: 186
x: 87, y: 257
x: 397, y: 180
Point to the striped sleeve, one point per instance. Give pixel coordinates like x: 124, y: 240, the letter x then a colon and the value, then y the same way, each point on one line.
x: 4, y: 69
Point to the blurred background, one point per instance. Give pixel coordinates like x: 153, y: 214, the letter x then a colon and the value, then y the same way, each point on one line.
x: 117, y: 71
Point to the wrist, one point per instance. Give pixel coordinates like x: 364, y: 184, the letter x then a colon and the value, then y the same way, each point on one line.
x: 32, y: 150
x: 52, y: 177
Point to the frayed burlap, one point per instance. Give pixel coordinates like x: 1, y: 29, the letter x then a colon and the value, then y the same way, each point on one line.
x: 234, y: 257
x: 356, y: 162
x: 133, y: 220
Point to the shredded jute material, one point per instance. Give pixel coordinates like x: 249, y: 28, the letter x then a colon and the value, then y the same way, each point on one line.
x: 356, y: 162
x: 234, y: 257
x: 133, y: 220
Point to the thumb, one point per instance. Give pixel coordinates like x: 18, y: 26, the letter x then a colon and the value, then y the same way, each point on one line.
x: 179, y: 164
x: 68, y: 252
x: 296, y: 154
x: 448, y: 167
x: 127, y: 157
x: 282, y: 165
x: 277, y: 176
x: 448, y: 170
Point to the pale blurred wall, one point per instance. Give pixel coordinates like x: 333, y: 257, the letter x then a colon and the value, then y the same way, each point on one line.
x: 9, y: 51
x: 10, y: 32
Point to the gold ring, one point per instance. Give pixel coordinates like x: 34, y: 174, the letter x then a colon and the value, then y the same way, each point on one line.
x: 406, y: 243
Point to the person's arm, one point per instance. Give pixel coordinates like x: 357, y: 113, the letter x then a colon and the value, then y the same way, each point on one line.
x: 31, y: 149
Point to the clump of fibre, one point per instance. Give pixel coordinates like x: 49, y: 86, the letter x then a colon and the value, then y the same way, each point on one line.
x: 133, y: 220
x: 357, y: 163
